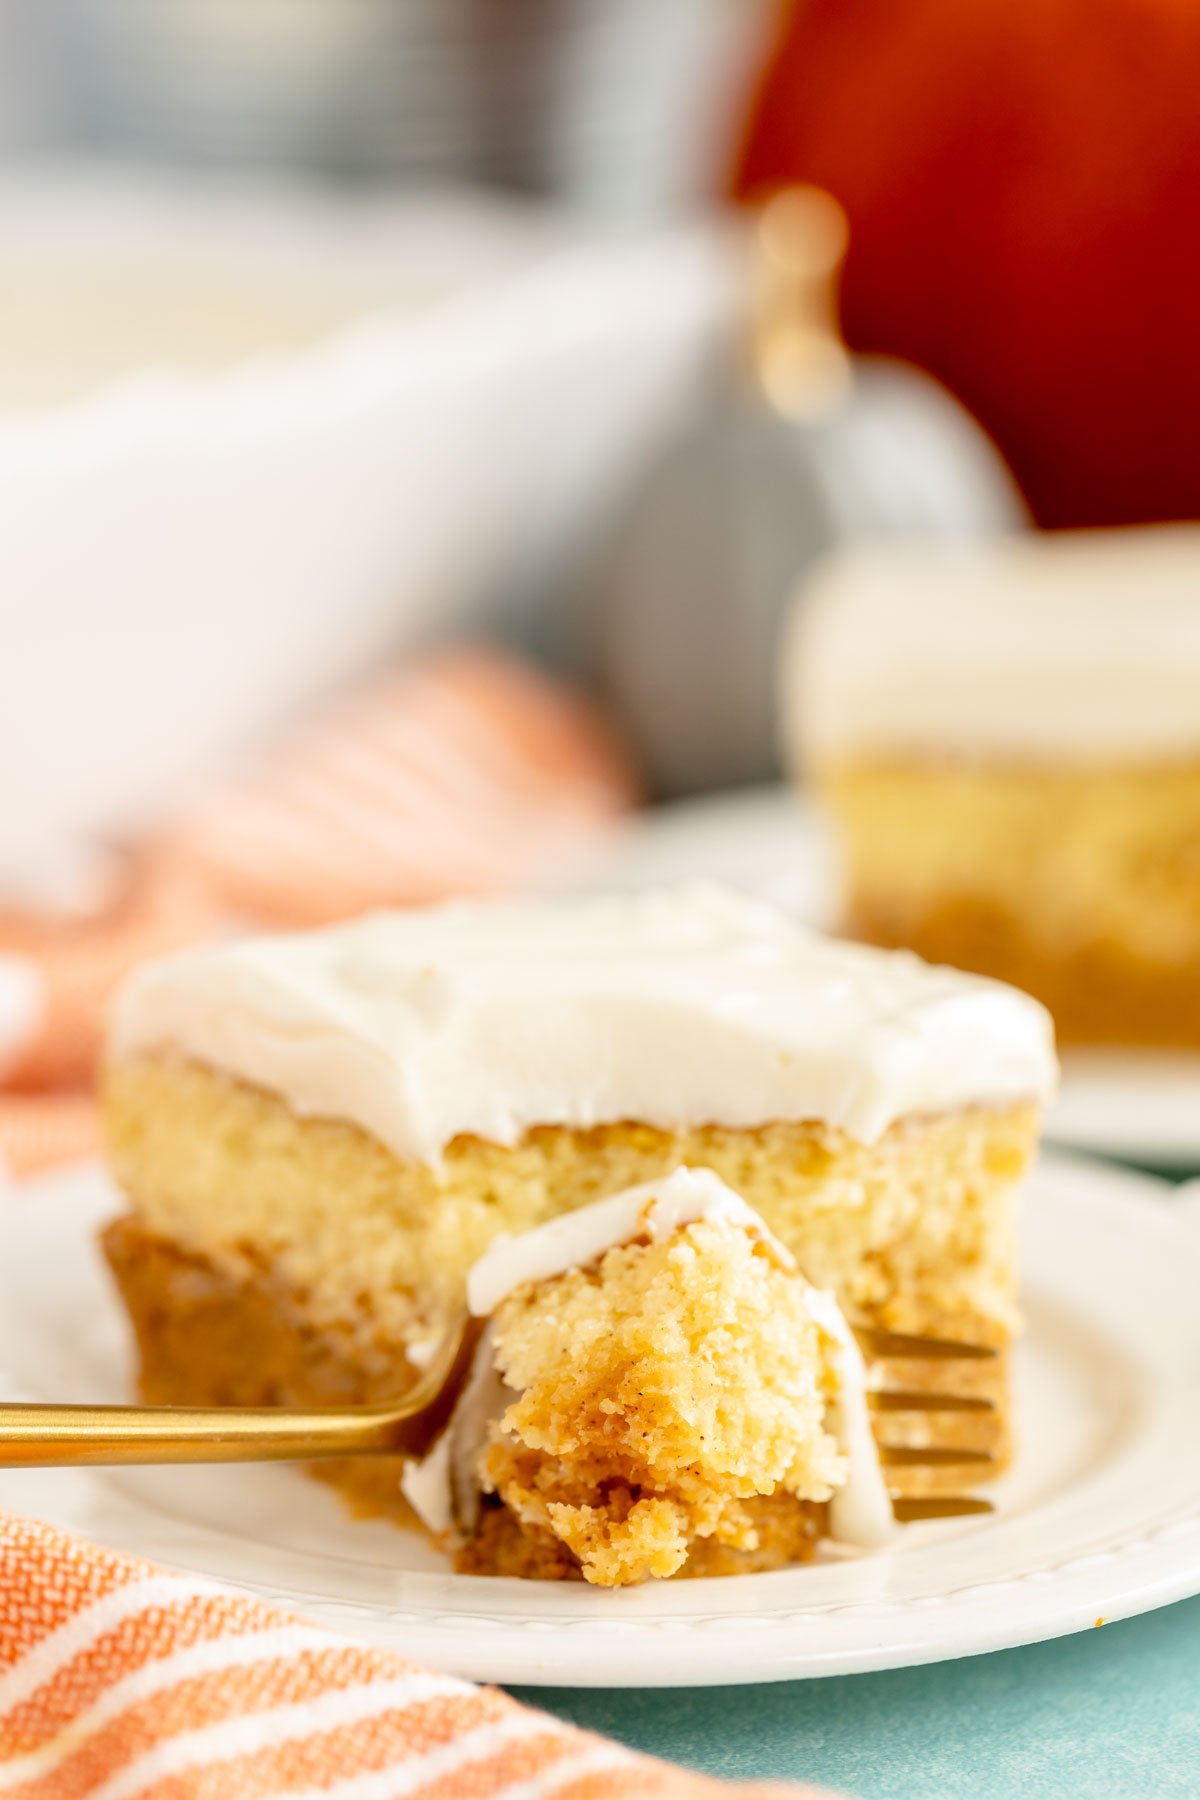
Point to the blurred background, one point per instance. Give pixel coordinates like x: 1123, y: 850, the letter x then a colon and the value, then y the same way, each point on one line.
x: 414, y: 423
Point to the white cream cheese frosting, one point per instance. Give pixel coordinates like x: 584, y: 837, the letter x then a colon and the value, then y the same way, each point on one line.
x: 677, y: 1008
x: 1079, y: 646
x: 437, y: 1488
x: 860, y: 1511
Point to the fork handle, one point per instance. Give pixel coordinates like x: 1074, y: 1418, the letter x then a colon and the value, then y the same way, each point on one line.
x: 33, y: 1435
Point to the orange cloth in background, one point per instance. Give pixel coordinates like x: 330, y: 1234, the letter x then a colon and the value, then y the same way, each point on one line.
x: 40, y: 1131
x: 466, y: 773
x: 113, y: 1671
x: 78, y: 961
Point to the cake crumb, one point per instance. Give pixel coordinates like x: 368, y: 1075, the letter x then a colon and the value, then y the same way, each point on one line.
x: 659, y: 1394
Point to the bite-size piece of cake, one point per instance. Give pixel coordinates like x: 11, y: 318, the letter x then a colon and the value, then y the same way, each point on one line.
x: 1007, y: 743
x: 319, y: 1135
x: 658, y: 1390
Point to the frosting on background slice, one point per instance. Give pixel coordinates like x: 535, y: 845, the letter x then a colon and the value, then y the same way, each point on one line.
x: 678, y: 1008
x: 1076, y: 645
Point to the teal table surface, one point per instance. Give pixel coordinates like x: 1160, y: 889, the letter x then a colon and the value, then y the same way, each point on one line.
x: 1111, y: 1714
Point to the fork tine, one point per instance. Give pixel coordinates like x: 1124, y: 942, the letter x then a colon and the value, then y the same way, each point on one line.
x: 889, y: 1400
x: 909, y: 1509
x: 929, y: 1456
x: 901, y: 1344
x: 939, y: 1506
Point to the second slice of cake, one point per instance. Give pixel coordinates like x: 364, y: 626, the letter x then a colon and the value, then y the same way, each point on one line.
x: 319, y: 1135
x: 1006, y: 740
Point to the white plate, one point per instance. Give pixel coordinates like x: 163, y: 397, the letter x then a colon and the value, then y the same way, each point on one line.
x: 766, y: 841
x: 1100, y: 1520
x: 1138, y: 1105
x: 1142, y: 1105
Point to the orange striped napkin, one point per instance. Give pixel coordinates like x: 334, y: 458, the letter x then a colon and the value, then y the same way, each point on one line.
x: 467, y: 772
x: 75, y: 961
x: 123, y: 1681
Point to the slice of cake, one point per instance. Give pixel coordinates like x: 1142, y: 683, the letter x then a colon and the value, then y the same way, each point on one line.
x: 658, y: 1390
x: 1007, y: 741
x: 319, y: 1135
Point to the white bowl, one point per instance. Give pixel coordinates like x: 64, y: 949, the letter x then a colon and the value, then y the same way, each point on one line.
x: 189, y: 552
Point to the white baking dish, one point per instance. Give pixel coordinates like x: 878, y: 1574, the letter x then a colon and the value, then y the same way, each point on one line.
x: 188, y: 553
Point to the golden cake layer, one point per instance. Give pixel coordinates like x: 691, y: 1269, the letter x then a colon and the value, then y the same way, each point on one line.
x: 1079, y: 884
x: 270, y: 1257
x: 919, y: 1223
x: 657, y: 1394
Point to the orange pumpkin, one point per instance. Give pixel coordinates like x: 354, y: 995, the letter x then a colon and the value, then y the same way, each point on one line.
x: 1022, y: 179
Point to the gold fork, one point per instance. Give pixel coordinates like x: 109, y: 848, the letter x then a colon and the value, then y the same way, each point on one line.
x: 898, y: 1346
x: 37, y: 1434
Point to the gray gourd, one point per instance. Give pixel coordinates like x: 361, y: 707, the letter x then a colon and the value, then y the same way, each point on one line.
x: 820, y: 448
